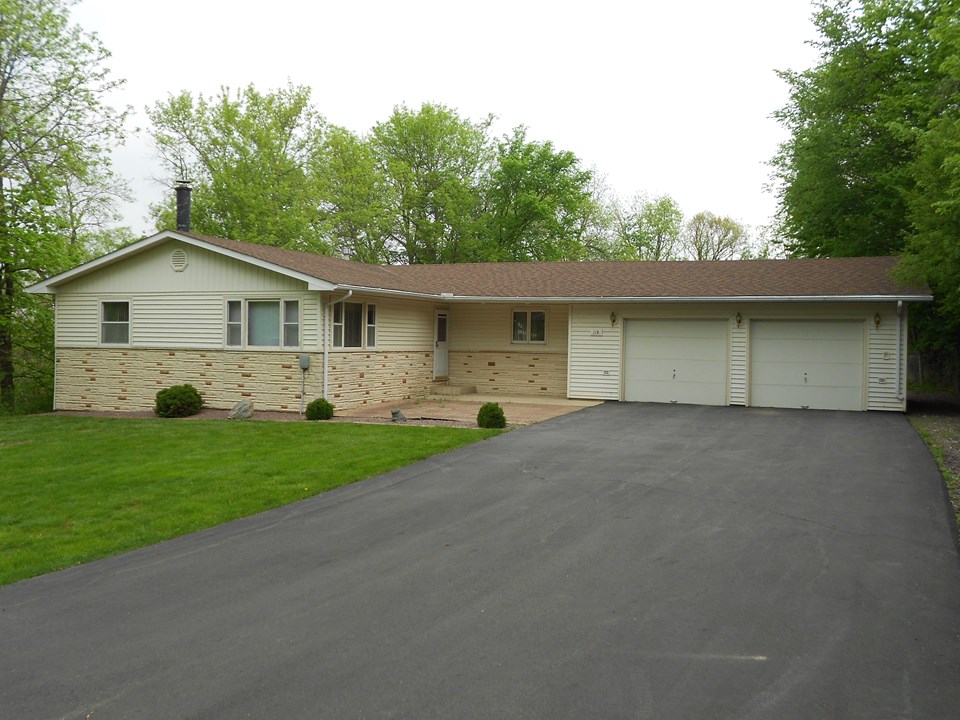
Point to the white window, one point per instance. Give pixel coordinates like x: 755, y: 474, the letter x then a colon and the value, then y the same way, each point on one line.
x: 115, y: 322
x: 234, y: 323
x: 529, y: 326
x: 263, y: 323
x: 349, y: 326
x: 371, y: 326
x: 291, y: 323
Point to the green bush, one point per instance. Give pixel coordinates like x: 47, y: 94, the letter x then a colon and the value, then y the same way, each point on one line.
x: 491, y: 416
x: 319, y: 409
x: 178, y: 401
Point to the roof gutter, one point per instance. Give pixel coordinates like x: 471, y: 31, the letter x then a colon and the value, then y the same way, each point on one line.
x: 449, y: 297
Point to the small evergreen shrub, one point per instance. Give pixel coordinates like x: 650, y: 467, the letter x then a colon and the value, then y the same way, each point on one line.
x: 319, y: 409
x: 491, y: 416
x: 178, y: 401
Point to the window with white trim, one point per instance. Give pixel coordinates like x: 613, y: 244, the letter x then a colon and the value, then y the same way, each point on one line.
x: 263, y: 323
x: 115, y: 322
x: 529, y: 326
x: 352, y: 323
x: 371, y: 326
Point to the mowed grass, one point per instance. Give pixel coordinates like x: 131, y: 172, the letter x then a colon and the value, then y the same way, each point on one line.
x: 74, y: 489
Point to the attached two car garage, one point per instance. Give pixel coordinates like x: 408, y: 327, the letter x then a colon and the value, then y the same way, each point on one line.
x: 817, y: 364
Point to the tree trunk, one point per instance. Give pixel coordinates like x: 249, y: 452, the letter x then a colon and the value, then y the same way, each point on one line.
x: 6, y: 340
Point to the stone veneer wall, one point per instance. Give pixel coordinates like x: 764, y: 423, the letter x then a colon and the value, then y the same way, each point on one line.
x: 128, y: 379
x: 370, y: 377
x: 511, y: 373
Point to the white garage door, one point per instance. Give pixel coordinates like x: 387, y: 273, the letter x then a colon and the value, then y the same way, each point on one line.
x: 675, y: 361
x: 806, y: 364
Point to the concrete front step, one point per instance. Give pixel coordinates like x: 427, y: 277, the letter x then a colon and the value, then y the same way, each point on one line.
x: 445, y: 389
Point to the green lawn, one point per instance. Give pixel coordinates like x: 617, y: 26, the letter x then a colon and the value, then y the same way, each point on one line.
x: 73, y: 489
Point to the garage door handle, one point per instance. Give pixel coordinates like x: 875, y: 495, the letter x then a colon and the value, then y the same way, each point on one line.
x: 804, y: 378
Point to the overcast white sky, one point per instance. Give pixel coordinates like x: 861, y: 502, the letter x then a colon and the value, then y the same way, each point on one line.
x: 659, y: 97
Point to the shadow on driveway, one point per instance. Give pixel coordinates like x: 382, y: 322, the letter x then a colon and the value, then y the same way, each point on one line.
x: 622, y: 561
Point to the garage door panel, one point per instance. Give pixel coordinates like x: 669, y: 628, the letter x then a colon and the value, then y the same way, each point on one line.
x: 812, y: 364
x: 683, y: 370
x: 689, y: 393
x: 807, y: 349
x: 669, y: 348
x: 674, y: 361
x: 799, y: 373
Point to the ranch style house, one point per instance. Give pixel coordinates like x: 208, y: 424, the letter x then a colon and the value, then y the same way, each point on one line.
x: 239, y: 320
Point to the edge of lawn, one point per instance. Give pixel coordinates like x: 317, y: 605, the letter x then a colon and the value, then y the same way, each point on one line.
x: 77, y: 489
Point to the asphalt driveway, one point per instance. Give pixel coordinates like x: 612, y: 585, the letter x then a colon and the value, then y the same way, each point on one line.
x: 623, y: 561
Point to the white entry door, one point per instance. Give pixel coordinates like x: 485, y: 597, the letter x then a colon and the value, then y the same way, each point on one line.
x: 806, y: 364
x: 440, y: 359
x: 675, y: 361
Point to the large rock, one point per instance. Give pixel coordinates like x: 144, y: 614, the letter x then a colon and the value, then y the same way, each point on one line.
x: 397, y: 416
x: 241, y: 411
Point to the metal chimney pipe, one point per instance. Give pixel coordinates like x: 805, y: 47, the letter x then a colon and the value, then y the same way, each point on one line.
x: 183, y: 205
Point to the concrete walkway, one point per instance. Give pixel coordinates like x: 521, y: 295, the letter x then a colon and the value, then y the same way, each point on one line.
x: 518, y: 409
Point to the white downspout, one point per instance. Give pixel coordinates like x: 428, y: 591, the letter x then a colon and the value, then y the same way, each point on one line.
x: 900, y: 351
x: 327, y: 335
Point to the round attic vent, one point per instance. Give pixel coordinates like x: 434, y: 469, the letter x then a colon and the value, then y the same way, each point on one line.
x: 178, y: 260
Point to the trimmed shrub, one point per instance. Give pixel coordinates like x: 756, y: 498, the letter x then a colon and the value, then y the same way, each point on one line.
x: 319, y: 409
x: 491, y: 416
x: 178, y: 401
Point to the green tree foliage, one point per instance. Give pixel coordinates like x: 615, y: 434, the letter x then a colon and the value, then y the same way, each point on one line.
x: 433, y: 162
x: 709, y: 237
x: 854, y: 119
x: 933, y: 247
x: 648, y: 229
x: 872, y: 165
x: 424, y: 186
x: 56, y: 185
x: 252, y: 158
x: 538, y: 203
x: 354, y: 198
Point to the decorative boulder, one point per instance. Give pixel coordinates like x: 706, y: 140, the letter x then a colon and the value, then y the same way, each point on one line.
x: 398, y: 416
x: 241, y: 411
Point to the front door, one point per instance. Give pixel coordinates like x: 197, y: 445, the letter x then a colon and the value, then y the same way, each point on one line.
x: 440, y: 363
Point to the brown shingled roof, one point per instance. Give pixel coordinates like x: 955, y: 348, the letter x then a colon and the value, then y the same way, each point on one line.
x: 815, y: 277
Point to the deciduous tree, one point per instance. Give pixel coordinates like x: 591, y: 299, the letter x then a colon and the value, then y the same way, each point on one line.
x: 710, y: 237
x: 538, y: 202
x: 251, y: 157
x: 56, y: 130
x: 433, y: 162
x: 648, y: 229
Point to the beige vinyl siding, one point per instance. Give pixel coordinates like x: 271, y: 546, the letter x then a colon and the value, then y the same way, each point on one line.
x: 176, y: 321
x: 883, y: 354
x: 403, y: 325
x: 593, y: 367
x: 482, y: 327
x: 738, y: 362
x: 310, y: 322
x: 78, y: 321
x: 152, y: 272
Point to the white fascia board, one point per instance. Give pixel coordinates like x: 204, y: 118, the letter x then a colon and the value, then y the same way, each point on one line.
x: 50, y: 284
x: 385, y: 292
x: 669, y: 299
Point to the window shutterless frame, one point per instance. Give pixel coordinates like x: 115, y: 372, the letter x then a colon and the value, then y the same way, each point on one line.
x: 354, y: 325
x: 528, y: 326
x: 114, y: 322
x: 267, y: 323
